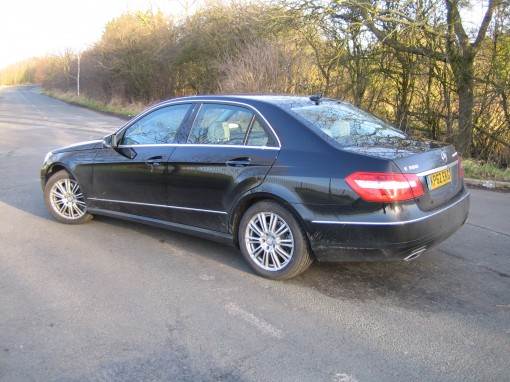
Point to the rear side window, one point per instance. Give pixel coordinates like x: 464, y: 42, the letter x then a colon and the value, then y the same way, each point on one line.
x: 346, y: 124
x: 218, y: 124
x: 158, y: 127
x: 258, y: 136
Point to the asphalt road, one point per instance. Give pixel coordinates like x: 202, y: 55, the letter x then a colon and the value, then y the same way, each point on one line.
x: 118, y: 301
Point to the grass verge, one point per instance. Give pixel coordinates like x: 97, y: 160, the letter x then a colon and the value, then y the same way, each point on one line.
x: 479, y: 170
x: 113, y: 107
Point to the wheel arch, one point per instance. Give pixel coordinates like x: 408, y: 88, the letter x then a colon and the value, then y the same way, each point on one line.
x: 54, y: 168
x: 249, y: 200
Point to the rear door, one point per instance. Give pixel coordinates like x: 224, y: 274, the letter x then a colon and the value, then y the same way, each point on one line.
x: 228, y: 152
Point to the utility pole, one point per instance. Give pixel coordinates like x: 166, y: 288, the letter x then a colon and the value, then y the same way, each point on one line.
x: 78, y: 73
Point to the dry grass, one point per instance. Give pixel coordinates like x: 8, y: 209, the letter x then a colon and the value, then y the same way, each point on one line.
x: 480, y: 170
x: 115, y: 106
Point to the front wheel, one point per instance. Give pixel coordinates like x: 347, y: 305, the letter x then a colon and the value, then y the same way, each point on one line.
x: 64, y: 199
x: 273, y: 242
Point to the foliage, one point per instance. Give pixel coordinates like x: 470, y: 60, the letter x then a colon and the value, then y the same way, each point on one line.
x: 132, y: 58
x: 19, y: 74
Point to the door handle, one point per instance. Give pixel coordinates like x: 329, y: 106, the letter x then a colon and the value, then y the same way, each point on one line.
x: 154, y: 161
x: 239, y: 162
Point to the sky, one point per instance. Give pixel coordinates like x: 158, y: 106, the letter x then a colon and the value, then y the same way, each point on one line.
x: 34, y: 28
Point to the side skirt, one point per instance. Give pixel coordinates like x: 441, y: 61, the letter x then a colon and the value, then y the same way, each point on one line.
x: 219, y: 237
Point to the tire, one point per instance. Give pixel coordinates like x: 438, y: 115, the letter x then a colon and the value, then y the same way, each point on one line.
x: 64, y: 199
x: 272, y: 241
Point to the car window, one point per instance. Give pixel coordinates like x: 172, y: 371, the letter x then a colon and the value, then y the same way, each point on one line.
x: 346, y: 124
x: 158, y: 127
x: 221, y: 125
x: 258, y: 136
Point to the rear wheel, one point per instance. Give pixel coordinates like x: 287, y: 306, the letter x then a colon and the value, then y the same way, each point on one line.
x: 64, y: 199
x: 273, y: 242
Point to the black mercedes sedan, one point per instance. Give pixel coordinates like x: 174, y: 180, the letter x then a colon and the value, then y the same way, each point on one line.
x: 287, y: 179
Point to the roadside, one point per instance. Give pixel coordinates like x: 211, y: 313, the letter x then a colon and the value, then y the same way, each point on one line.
x: 488, y: 184
x: 482, y: 175
x: 114, y: 108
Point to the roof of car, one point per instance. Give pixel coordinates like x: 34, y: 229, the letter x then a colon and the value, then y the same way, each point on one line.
x: 282, y: 100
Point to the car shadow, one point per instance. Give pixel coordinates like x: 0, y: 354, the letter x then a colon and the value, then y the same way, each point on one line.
x: 437, y: 281
x: 220, y: 253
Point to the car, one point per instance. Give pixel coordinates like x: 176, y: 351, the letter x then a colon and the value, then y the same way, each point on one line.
x: 286, y: 179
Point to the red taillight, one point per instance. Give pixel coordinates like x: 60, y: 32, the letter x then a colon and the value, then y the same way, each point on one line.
x: 385, y: 187
x: 461, y: 169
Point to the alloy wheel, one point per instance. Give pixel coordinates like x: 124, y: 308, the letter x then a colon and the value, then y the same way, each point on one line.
x: 67, y: 199
x: 269, y: 241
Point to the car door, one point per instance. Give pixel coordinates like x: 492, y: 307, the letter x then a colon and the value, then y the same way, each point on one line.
x: 131, y: 178
x: 228, y: 151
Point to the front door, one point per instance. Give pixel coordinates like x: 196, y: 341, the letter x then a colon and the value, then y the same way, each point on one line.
x: 132, y: 177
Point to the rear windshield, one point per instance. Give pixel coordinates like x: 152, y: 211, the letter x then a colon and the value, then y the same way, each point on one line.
x: 345, y: 124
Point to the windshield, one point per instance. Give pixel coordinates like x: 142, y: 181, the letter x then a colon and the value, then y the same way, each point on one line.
x: 346, y: 124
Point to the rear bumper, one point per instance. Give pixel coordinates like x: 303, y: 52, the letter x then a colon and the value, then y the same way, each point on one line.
x: 393, y: 233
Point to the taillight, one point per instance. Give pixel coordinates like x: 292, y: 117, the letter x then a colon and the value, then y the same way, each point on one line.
x: 461, y: 169
x: 384, y: 186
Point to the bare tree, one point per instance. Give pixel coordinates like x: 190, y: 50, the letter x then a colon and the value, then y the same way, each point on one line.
x: 266, y: 67
x: 460, y: 52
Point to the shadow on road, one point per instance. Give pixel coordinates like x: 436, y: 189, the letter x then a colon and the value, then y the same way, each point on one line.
x: 437, y: 281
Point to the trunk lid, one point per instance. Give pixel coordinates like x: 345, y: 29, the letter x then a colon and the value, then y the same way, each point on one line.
x: 435, y: 163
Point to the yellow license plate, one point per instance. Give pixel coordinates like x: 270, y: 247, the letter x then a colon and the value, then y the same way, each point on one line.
x: 439, y: 179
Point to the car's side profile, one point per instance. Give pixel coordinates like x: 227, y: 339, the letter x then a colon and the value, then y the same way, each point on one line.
x: 287, y: 179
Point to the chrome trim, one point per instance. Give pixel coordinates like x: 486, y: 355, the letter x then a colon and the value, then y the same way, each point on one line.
x: 415, y: 253
x: 158, y: 205
x: 199, y: 145
x: 225, y: 146
x: 425, y: 173
x: 147, y: 145
x: 390, y: 223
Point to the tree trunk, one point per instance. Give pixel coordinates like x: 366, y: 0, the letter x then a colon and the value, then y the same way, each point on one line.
x: 463, y: 71
x: 466, y: 100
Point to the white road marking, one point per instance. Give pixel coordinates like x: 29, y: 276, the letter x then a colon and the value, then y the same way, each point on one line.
x: 261, y: 324
x: 342, y: 377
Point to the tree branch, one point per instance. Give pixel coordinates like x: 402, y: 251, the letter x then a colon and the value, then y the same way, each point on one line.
x: 485, y: 23
x: 386, y: 39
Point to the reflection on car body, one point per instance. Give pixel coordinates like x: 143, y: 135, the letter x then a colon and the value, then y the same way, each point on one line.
x: 285, y: 178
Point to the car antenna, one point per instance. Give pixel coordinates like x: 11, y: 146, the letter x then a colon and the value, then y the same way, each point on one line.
x: 316, y: 98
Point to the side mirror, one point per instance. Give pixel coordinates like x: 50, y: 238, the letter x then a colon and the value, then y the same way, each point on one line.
x: 110, y: 141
